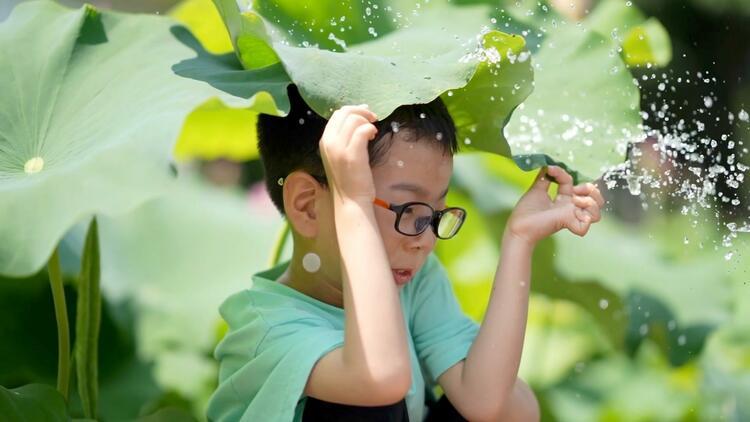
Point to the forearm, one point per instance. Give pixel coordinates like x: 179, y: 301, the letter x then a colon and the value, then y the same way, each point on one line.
x: 491, y: 368
x: 375, y: 339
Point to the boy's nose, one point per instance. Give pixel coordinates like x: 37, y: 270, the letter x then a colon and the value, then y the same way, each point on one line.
x: 424, y: 241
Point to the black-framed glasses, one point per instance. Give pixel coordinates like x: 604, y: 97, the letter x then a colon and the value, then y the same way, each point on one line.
x: 413, y: 218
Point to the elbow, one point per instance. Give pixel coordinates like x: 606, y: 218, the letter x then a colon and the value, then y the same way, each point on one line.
x: 524, y: 408
x: 392, y: 386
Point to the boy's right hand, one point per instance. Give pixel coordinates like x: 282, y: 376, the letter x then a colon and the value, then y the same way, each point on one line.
x: 343, y: 149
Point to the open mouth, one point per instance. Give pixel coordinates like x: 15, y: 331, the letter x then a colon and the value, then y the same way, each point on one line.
x: 401, y: 276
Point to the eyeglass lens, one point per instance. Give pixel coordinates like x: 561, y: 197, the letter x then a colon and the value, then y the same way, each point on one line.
x: 417, y: 217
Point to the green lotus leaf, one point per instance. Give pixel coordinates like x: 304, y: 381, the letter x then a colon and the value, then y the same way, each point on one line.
x: 413, y: 64
x: 215, y: 130
x: 329, y: 25
x: 91, y: 108
x: 646, y: 44
x: 203, y: 20
x: 643, y: 41
x: 584, y: 109
x: 33, y: 402
x: 502, y: 81
x: 618, y: 388
x: 643, y: 266
x: 174, y: 259
x: 559, y: 335
x: 726, y: 362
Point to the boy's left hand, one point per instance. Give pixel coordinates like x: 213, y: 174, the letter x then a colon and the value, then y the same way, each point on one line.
x: 537, y: 216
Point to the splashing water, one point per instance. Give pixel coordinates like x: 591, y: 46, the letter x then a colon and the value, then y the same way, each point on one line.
x: 684, y: 161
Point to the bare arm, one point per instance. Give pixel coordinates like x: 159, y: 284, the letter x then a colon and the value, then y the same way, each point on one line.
x: 485, y: 382
x: 485, y: 385
x: 373, y: 366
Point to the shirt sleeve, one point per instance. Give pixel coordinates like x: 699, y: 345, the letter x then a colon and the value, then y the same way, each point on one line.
x: 442, y: 333
x: 264, y: 369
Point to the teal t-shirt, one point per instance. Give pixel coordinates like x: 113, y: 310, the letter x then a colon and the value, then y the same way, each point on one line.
x: 276, y: 334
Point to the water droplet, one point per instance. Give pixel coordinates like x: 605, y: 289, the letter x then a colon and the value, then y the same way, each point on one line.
x: 681, y: 340
x: 603, y: 304
x: 34, y: 165
x: 422, y: 116
x: 634, y: 185
x: 311, y: 262
x: 394, y: 127
x: 662, y: 86
x: 728, y: 255
x: 439, y: 136
x: 341, y: 43
x: 301, y: 121
x: 372, y: 32
x: 450, y: 93
x: 708, y: 102
x: 744, y: 116
x: 400, y: 163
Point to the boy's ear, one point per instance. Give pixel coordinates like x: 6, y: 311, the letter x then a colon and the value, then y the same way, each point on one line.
x: 299, y: 192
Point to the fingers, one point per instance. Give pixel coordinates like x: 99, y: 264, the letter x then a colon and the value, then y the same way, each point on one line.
x: 339, y: 116
x: 541, y: 182
x: 589, y: 206
x: 341, y: 126
x: 364, y: 133
x: 563, y: 179
x: 590, y: 189
x: 352, y: 123
x: 581, y: 224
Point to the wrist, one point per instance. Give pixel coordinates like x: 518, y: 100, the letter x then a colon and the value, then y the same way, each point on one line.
x: 518, y: 239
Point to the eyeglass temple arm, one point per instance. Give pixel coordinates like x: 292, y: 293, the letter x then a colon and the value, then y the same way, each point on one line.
x: 379, y: 202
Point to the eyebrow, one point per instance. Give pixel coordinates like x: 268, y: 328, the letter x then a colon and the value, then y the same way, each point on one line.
x: 417, y: 189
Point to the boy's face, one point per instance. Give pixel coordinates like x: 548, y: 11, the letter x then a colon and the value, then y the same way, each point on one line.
x: 411, y: 171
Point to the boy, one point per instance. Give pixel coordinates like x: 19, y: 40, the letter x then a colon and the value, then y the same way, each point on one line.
x: 361, y: 323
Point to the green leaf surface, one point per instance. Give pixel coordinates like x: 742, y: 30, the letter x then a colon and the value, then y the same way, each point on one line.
x: 481, y: 109
x: 584, y: 109
x: 174, y: 260
x: 695, y: 289
x: 726, y: 385
x: 89, y: 116
x: 643, y: 41
x: 215, y: 130
x: 620, y: 389
x: 33, y: 402
x: 437, y: 51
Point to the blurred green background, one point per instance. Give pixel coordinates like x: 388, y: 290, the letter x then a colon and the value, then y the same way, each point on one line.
x: 645, y: 319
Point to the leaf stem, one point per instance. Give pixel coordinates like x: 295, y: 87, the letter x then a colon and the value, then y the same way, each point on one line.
x: 63, y: 329
x: 279, y: 246
x: 87, y: 324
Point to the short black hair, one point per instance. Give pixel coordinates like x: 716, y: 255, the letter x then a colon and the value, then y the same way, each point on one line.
x: 291, y: 143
